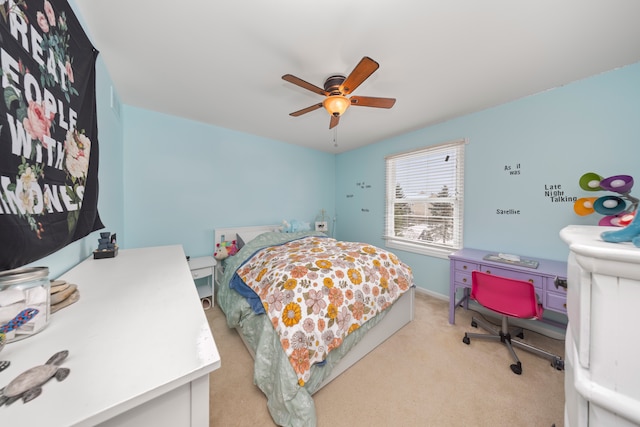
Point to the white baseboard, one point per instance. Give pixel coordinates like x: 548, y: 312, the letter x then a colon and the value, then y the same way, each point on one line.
x: 436, y: 295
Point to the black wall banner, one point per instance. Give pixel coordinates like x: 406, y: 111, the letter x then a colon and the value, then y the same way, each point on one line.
x: 48, y: 131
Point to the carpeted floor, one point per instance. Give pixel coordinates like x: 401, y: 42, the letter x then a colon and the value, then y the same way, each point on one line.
x: 424, y: 375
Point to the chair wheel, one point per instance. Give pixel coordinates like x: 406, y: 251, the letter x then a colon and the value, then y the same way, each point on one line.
x: 474, y: 323
x: 517, y: 368
x: 466, y: 339
x: 558, y: 364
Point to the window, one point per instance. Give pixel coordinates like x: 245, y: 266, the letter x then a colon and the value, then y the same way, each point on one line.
x: 424, y: 203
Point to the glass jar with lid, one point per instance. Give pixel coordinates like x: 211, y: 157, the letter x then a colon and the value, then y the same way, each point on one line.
x: 24, y: 302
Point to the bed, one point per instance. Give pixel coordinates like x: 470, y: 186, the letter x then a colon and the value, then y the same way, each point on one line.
x: 289, y: 385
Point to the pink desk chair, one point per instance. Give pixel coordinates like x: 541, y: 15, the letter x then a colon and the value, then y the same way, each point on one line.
x: 509, y: 298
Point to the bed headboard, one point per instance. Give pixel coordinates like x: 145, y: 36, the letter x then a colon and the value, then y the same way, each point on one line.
x: 231, y: 233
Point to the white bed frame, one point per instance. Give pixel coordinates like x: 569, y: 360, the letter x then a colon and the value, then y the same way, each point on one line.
x: 399, y: 314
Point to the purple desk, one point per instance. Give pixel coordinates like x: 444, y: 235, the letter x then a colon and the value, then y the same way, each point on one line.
x: 545, y: 278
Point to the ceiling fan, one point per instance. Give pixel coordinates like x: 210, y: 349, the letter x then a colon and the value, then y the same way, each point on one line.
x: 336, y: 88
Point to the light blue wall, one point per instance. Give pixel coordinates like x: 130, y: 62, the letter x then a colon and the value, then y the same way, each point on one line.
x: 110, y: 177
x: 184, y: 178
x: 555, y: 137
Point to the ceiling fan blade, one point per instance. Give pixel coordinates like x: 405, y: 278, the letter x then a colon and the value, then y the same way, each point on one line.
x: 371, y: 101
x: 306, y: 110
x: 363, y: 70
x: 334, y: 121
x: 305, y: 85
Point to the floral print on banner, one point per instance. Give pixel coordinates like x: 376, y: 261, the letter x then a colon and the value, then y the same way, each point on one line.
x: 317, y: 290
x: 48, y: 130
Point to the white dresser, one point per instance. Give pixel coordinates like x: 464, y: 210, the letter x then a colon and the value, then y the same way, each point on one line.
x: 602, y: 366
x: 140, y: 348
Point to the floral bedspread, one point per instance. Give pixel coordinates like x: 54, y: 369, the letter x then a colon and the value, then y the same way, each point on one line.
x: 317, y: 290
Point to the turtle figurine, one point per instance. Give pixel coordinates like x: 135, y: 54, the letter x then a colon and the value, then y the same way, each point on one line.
x: 28, y: 385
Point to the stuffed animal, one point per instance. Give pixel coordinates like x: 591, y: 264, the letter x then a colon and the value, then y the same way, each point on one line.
x: 232, y: 247
x: 294, y: 225
x: 630, y: 233
x: 225, y: 249
x: 221, y: 252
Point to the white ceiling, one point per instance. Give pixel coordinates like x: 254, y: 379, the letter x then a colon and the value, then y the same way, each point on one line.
x: 221, y: 62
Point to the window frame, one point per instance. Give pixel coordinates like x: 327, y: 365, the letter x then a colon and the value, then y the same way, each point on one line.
x: 456, y: 198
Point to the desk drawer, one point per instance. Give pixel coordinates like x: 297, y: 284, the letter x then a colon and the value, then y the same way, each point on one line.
x: 466, y: 266
x: 550, y: 286
x: 527, y: 277
x: 462, y: 277
x: 556, y: 302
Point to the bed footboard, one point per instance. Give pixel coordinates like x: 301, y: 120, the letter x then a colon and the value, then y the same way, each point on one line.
x: 400, y: 313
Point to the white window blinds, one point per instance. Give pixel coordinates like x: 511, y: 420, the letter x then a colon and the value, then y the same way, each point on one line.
x: 425, y: 199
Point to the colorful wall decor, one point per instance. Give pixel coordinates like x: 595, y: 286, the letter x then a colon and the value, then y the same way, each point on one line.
x: 619, y: 210
x: 48, y: 131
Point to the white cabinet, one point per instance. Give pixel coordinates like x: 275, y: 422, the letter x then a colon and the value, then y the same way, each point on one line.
x: 602, y: 373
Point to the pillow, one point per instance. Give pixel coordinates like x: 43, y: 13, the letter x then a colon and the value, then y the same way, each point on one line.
x: 246, y: 236
x: 239, y: 241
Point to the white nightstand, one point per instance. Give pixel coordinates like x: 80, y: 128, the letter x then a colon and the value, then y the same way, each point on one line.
x: 203, y: 268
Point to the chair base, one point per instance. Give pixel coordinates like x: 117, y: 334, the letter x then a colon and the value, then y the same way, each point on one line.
x: 504, y: 336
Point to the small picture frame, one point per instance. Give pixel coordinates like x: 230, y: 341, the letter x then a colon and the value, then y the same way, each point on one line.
x: 321, y: 226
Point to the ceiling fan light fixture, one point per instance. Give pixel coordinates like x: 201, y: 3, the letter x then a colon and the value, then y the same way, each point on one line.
x: 336, y: 105
x: 337, y: 87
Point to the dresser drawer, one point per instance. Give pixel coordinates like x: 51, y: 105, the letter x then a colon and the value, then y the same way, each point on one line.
x: 465, y: 266
x: 537, y: 281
